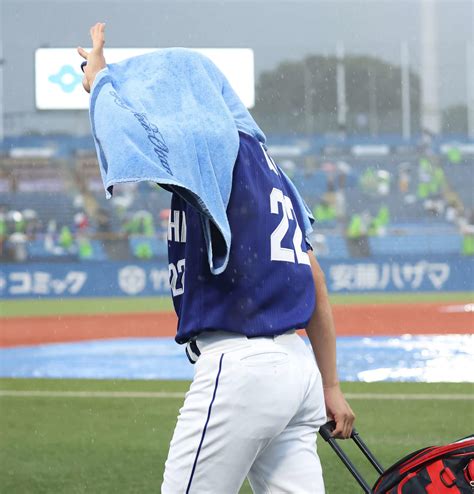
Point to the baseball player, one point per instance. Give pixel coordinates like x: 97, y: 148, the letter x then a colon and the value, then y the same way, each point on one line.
x: 259, y: 394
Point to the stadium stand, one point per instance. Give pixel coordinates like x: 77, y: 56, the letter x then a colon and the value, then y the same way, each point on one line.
x: 57, y: 206
x: 403, y: 202
x: 461, y: 179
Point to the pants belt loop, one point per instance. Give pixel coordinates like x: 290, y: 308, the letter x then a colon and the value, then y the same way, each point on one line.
x: 192, y: 351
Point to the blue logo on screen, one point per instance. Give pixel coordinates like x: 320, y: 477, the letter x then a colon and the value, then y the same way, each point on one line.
x: 67, y: 78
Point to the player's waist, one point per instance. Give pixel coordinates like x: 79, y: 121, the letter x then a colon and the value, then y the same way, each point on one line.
x: 224, y: 341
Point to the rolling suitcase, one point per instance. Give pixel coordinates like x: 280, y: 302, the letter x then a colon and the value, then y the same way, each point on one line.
x: 447, y: 469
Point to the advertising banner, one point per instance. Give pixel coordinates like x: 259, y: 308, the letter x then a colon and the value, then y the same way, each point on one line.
x: 58, y: 78
x: 121, y: 279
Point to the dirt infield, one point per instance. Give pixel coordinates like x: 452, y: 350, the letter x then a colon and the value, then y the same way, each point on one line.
x: 361, y: 320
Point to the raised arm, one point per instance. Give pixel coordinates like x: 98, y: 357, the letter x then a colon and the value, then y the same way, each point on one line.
x: 95, y: 58
x: 322, y: 335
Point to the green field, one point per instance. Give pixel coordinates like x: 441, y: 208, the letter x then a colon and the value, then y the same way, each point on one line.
x: 94, y: 444
x: 46, y: 307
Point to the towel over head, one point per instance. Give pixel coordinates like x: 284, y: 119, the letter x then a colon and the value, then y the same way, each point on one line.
x: 172, y: 118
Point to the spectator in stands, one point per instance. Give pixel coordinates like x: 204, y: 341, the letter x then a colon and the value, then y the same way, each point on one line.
x: 438, y: 181
x: 467, y: 230
x: 148, y: 225
x: 16, y: 222
x: 17, y: 245
x: 143, y: 250
x: 378, y: 224
x: 58, y: 244
x: 103, y: 221
x: 331, y: 186
x: 340, y: 204
x: 425, y: 172
x: 324, y: 212
x: 368, y: 181
x: 66, y: 239
x: 383, y: 182
x: 81, y: 222
x: 340, y: 194
x: 404, y: 178
x: 130, y: 224
x: 470, y: 218
x: 435, y: 205
x: 141, y: 223
x: 454, y: 155
x: 33, y: 225
x: 85, y: 249
x: 357, y: 235
x: 451, y: 213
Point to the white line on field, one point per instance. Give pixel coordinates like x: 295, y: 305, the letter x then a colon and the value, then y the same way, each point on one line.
x: 406, y: 396
x: 165, y: 394
x: 91, y: 394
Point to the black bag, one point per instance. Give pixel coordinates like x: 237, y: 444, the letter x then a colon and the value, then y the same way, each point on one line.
x: 445, y: 469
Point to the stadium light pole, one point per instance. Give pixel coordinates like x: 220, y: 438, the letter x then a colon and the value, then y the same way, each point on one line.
x: 341, y: 88
x: 1, y: 72
x: 470, y: 87
x: 405, y: 83
x: 430, y: 109
x: 308, y: 99
x: 373, y: 115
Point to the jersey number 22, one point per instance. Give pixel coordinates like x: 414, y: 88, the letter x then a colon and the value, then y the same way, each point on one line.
x: 279, y: 253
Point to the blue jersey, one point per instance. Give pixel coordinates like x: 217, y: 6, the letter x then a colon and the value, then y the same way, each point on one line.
x: 267, y: 287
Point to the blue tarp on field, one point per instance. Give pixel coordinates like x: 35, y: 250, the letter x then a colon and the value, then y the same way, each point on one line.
x: 440, y: 358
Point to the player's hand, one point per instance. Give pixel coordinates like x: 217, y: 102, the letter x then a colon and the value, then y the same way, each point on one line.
x: 95, y: 58
x: 338, y: 409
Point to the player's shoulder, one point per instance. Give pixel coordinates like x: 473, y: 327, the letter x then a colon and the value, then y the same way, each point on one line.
x: 257, y: 153
x: 253, y: 147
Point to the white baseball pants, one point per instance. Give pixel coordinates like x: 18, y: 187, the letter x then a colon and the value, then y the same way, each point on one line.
x: 253, y: 409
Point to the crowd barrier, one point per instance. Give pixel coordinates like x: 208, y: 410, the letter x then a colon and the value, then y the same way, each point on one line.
x: 125, y: 279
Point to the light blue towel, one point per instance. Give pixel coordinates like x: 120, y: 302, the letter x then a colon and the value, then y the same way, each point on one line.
x: 172, y: 118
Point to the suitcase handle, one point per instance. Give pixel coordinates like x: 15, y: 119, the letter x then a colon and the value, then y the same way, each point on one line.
x: 326, y: 433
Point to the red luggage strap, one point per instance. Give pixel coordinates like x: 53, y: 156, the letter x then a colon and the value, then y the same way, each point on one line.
x: 435, y: 453
x: 403, y: 482
x: 438, y: 472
